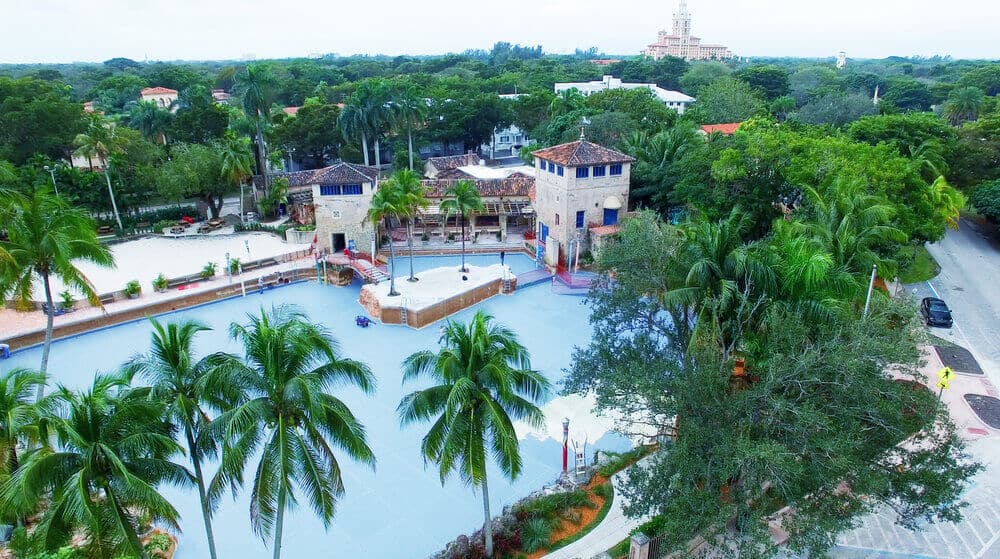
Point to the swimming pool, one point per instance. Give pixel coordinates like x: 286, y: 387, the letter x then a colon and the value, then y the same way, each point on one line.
x: 518, y: 262
x: 400, y: 510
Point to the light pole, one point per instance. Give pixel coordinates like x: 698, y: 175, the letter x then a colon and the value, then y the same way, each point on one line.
x: 52, y: 173
x: 565, y: 424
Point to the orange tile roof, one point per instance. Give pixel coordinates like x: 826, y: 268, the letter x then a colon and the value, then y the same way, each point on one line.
x: 727, y: 128
x: 582, y: 152
x: 157, y: 91
x: 291, y: 111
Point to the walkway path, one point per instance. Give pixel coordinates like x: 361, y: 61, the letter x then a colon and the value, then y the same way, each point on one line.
x: 614, y: 528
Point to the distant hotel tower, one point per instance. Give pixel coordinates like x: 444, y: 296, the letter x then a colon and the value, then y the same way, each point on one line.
x: 682, y: 44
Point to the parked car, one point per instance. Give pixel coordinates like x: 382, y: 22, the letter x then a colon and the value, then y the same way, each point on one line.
x: 935, y: 312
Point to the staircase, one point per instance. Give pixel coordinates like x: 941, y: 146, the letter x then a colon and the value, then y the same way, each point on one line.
x: 402, y: 312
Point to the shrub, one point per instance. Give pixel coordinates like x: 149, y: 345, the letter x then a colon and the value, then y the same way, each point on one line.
x: 535, y: 534
x: 234, y: 266
x: 160, y: 283
x: 132, y: 288
x: 208, y: 272
x: 160, y: 226
x: 451, y: 237
x: 306, y: 228
x: 425, y: 237
x: 620, y: 461
x: 986, y: 199
x: 604, y: 490
x: 243, y: 227
x: 158, y: 542
x: 67, y: 302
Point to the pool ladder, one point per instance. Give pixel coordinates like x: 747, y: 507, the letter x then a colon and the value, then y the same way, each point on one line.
x: 506, y: 286
x: 402, y: 312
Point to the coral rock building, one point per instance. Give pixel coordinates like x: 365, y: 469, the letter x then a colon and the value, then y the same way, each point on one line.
x: 580, y: 190
x: 680, y: 43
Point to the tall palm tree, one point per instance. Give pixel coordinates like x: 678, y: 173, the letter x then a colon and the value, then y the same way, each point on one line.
x: 414, y: 199
x: 289, y: 416
x: 150, y: 120
x: 47, y: 238
x: 19, y: 423
x: 111, y: 451
x: 101, y: 141
x: 186, y: 388
x: 387, y: 202
x: 946, y: 200
x: 353, y: 123
x: 258, y: 86
x: 483, y: 383
x: 411, y: 111
x: 462, y: 198
x: 964, y: 104
x: 237, y: 161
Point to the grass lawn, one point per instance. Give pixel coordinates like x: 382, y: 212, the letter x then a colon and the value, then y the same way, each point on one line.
x: 916, y: 264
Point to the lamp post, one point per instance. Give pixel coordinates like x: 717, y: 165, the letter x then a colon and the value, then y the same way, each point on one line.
x: 565, y: 457
x: 576, y: 260
x: 52, y: 173
x: 229, y: 269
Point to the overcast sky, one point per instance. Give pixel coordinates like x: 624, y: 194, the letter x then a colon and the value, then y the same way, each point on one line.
x: 95, y: 30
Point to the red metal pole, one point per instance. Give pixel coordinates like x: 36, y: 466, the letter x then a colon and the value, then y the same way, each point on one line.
x: 565, y: 444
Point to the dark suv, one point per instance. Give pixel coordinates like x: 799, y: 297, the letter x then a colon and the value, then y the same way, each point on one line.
x: 935, y: 312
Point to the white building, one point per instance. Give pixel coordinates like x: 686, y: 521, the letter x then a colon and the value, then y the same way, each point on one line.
x: 507, y: 141
x: 163, y: 97
x: 672, y: 99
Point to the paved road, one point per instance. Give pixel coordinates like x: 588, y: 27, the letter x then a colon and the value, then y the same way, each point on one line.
x: 970, y: 283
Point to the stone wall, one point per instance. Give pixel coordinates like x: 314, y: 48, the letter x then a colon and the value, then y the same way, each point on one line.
x: 418, y: 318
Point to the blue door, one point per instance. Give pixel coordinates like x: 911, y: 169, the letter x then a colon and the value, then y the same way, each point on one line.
x: 610, y: 217
x: 545, y: 232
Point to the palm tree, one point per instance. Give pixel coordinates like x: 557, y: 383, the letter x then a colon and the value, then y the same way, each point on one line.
x: 388, y: 202
x: 46, y: 238
x: 414, y: 199
x: 463, y: 198
x: 111, y: 452
x: 257, y: 85
x: 101, y: 141
x: 237, y: 161
x: 185, y: 388
x: 946, y: 200
x: 964, y: 104
x: 483, y: 383
x: 354, y: 125
x: 150, y: 120
x: 289, y: 416
x: 566, y: 101
x: 20, y: 416
x: 411, y: 110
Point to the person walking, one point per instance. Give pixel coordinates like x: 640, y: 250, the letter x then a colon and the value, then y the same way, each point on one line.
x: 260, y: 285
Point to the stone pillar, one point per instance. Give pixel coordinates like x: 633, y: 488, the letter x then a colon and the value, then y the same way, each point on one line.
x: 471, y: 227
x: 503, y: 226
x: 639, y: 547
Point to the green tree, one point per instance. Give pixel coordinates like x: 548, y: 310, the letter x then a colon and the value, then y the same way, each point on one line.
x: 195, y: 170
x: 964, y: 104
x: 986, y: 78
x: 313, y: 132
x: 354, y: 125
x: 414, y: 198
x: 185, y: 389
x: 199, y: 119
x: 986, y: 199
x: 150, y: 120
x: 289, y: 417
x: 483, y: 383
x: 908, y: 94
x: 566, y: 101
x: 388, y: 202
x: 727, y: 100
x: 111, y: 451
x: 19, y: 427
x: 237, y: 160
x: 47, y: 238
x: 770, y: 80
x: 835, y: 109
x: 462, y: 198
x: 100, y: 141
x: 411, y: 112
x: 257, y: 85
x: 702, y: 74
x: 37, y: 117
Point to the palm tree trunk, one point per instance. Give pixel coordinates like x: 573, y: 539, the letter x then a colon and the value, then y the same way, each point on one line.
x: 111, y: 193
x: 47, y: 345
x: 487, y: 524
x: 409, y: 144
x: 378, y: 156
x: 364, y: 146
x: 206, y: 513
x: 464, y: 269
x: 279, y: 521
x: 409, y: 234
x: 392, y: 261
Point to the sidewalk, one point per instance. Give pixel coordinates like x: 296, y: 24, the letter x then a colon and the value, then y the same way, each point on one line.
x: 614, y: 528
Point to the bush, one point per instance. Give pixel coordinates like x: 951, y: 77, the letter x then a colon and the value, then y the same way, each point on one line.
x: 132, y: 288
x: 160, y: 226
x: 620, y: 461
x: 208, y: 272
x: 158, y: 542
x: 243, y: 227
x: 160, y: 283
x: 604, y: 491
x: 67, y: 302
x: 234, y: 266
x: 535, y: 534
x: 425, y: 237
x: 986, y: 199
x: 306, y: 228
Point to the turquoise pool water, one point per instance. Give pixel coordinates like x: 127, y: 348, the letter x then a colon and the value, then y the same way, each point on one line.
x: 401, y: 510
